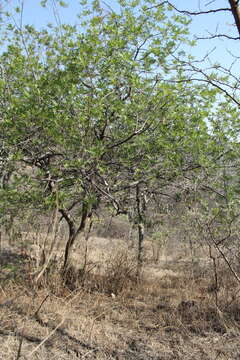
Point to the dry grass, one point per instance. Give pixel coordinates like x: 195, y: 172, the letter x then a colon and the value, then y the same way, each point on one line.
x: 107, y: 313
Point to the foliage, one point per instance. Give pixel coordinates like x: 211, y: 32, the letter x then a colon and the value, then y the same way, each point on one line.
x: 101, y: 114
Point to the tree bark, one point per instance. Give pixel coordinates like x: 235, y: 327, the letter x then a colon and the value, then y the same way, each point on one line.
x: 140, y: 225
x: 73, y: 233
x: 140, y: 243
x: 236, y: 12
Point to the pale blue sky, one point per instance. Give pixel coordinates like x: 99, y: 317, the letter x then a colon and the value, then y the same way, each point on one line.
x: 201, y: 25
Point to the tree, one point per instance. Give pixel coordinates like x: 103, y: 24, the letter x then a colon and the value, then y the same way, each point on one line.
x: 98, y: 115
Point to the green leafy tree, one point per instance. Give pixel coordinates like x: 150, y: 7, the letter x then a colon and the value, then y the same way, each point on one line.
x: 99, y: 114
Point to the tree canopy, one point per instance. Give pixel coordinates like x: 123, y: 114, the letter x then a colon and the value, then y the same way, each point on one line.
x: 101, y: 113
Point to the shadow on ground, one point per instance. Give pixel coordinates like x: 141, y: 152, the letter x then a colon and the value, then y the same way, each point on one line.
x: 12, y: 264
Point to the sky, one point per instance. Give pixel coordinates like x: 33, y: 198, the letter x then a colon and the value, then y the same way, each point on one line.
x: 201, y: 26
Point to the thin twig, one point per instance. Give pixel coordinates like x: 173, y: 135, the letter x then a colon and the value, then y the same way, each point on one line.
x: 19, y: 348
x: 38, y: 309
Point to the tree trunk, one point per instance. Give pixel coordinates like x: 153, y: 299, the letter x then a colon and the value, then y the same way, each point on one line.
x: 140, y: 244
x: 140, y: 226
x: 73, y: 233
x: 236, y: 12
x: 68, y: 250
x: 130, y: 239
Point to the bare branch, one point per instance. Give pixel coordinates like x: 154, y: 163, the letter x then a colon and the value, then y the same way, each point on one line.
x: 211, y: 82
x: 217, y: 36
x: 190, y: 13
x: 225, y: 87
x: 210, y: 2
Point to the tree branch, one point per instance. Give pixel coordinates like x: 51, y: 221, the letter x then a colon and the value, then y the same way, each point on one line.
x: 217, y: 36
x: 69, y: 221
x: 190, y: 13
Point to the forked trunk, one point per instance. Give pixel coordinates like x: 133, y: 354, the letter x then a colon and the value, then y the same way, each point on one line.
x: 73, y: 234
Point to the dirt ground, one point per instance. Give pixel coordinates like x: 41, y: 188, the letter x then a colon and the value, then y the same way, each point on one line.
x: 170, y: 314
